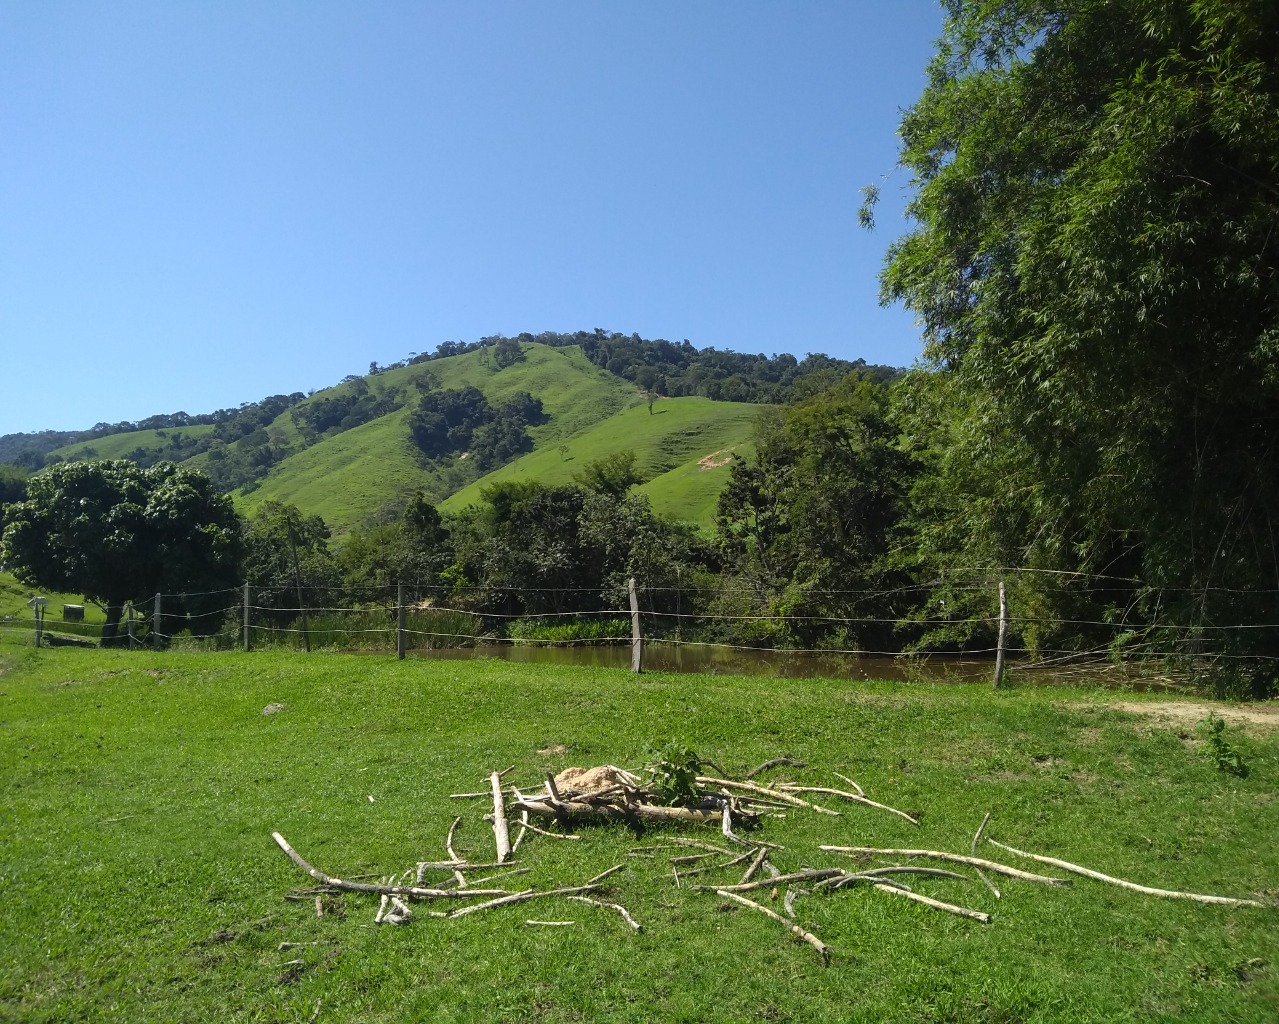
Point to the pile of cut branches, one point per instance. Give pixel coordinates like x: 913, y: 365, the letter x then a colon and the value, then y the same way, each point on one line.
x: 672, y: 790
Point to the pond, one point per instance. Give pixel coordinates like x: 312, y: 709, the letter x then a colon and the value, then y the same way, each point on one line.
x: 712, y: 660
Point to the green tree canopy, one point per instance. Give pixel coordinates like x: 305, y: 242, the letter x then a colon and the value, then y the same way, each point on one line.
x: 1097, y: 188
x: 114, y: 532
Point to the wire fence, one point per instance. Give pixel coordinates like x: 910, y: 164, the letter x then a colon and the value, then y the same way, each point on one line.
x: 670, y: 627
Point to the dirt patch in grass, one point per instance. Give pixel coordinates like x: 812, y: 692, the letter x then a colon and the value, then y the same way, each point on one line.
x: 1190, y: 712
x: 716, y: 459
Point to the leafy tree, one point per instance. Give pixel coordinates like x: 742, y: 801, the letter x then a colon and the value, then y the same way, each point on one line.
x: 613, y: 475
x: 445, y: 420
x: 1097, y: 185
x: 274, y: 535
x: 13, y: 486
x: 810, y: 521
x: 507, y: 352
x: 113, y: 531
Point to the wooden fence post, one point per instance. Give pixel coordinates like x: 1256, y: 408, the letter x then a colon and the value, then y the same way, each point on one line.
x: 246, y: 618
x: 399, y: 622
x: 637, y: 637
x: 128, y: 623
x: 1003, y: 636
x: 155, y: 624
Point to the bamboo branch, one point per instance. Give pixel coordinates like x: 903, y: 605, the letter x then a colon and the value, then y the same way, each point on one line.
x: 957, y: 858
x: 806, y: 875
x: 905, y: 869
x: 604, y: 874
x: 500, y: 833
x: 750, y: 871
x: 1226, y: 901
x: 542, y: 832
x: 750, y: 787
x: 388, y: 890
x: 860, y: 791
x: 524, y: 897
x: 949, y: 908
x: 775, y: 763
x: 612, y: 906
x: 977, y: 839
x: 795, y: 929
x: 853, y: 797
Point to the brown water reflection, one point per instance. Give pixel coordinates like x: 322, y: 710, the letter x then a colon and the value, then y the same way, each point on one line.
x: 666, y: 657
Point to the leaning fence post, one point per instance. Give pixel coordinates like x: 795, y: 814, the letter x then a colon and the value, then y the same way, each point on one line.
x: 399, y: 622
x: 637, y: 637
x: 155, y: 624
x: 1003, y: 636
x: 246, y: 618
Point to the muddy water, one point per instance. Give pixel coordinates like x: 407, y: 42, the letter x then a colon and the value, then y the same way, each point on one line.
x: 665, y: 657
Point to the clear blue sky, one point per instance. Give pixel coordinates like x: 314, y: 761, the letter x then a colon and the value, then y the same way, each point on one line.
x: 205, y: 203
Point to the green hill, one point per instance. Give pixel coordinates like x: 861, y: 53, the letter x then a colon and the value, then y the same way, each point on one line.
x: 349, y: 477
x: 682, y: 450
x: 139, y: 445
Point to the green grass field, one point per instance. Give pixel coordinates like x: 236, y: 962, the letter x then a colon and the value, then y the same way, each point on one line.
x: 347, y: 478
x: 119, y: 446
x: 139, y: 881
x: 669, y: 446
x: 17, y: 618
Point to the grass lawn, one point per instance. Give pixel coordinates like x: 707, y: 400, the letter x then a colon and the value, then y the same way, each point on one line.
x: 139, y: 881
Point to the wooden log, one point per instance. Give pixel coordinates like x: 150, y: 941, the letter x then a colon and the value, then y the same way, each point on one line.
x: 750, y: 787
x: 500, y: 833
x: 927, y: 901
x: 581, y: 809
x: 1225, y: 901
x: 794, y: 929
x: 957, y: 858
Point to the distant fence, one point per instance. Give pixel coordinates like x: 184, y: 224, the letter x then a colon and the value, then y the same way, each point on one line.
x: 421, y: 618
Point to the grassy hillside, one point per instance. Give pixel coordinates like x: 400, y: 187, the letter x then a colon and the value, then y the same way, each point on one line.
x: 140, y: 881
x: 682, y: 450
x: 347, y: 478
x: 120, y: 446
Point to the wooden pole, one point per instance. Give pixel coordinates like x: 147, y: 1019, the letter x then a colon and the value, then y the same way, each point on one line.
x: 399, y: 622
x: 637, y: 637
x: 155, y: 624
x: 128, y: 623
x: 1003, y: 636
x: 246, y: 618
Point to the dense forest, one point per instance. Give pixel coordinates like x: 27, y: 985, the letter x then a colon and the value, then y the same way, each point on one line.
x: 1093, y: 427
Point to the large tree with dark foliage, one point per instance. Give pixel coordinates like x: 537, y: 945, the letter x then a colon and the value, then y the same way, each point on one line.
x: 1095, y: 266
x: 114, y: 532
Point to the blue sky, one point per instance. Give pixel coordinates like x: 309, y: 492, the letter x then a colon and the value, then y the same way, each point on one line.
x: 203, y: 204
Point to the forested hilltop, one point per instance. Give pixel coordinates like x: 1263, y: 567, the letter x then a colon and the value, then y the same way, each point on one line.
x: 657, y: 365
